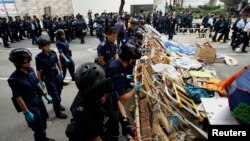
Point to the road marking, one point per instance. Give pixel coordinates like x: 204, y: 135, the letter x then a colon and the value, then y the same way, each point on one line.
x: 92, y: 49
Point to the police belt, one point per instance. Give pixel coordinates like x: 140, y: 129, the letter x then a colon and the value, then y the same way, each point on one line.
x: 50, y: 72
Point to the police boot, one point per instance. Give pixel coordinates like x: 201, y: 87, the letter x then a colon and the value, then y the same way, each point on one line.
x: 60, y: 114
x: 62, y: 108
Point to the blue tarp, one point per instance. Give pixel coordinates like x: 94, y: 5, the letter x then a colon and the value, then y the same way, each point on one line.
x: 179, y: 47
x: 239, y: 90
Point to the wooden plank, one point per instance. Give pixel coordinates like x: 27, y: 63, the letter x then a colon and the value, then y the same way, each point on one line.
x: 162, y: 135
x: 144, y: 122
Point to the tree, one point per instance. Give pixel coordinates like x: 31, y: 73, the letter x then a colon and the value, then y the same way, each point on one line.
x: 121, y: 6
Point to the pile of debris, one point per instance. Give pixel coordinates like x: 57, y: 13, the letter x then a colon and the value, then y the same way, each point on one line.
x: 174, y: 88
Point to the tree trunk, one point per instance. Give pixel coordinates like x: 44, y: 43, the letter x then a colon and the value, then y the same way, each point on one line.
x: 121, y: 6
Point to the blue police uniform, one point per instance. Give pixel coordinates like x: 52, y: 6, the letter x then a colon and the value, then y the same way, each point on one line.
x: 131, y: 32
x: 119, y: 27
x: 117, y: 72
x: 25, y: 85
x: 50, y: 75
x: 63, y: 46
x: 106, y: 50
x: 100, y: 31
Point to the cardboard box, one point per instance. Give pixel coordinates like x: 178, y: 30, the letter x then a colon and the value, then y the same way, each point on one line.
x: 206, y: 53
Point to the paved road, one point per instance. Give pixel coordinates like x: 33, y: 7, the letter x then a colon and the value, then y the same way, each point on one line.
x: 12, y: 124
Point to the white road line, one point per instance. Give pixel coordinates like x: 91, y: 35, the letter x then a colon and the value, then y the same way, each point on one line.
x: 92, y: 49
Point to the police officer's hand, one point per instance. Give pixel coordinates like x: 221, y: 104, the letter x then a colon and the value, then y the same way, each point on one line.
x: 61, y: 75
x: 137, y: 87
x: 130, y: 76
x: 127, y: 127
x: 67, y: 60
x: 29, y: 116
x: 48, y: 98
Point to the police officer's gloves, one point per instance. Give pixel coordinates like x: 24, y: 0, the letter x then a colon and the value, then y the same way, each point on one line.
x: 130, y: 76
x: 29, y: 116
x: 137, y: 87
x: 48, y: 98
x: 43, y: 87
x: 67, y: 60
x: 61, y: 75
x: 127, y: 127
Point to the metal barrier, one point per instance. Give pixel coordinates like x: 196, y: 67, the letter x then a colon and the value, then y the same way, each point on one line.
x: 201, y: 33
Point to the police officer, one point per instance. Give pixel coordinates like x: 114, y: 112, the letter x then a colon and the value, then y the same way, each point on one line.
x: 116, y: 70
x: 81, y: 28
x: 136, y: 40
x: 120, y: 29
x: 100, y: 32
x: 92, y: 108
x: 133, y: 28
x: 246, y: 37
x: 4, y: 32
x: 27, y: 92
x: 106, y: 50
x: 49, y: 70
x: 65, y: 54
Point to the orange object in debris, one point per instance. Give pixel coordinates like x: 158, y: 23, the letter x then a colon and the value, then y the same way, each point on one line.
x: 215, y: 85
x: 228, y: 81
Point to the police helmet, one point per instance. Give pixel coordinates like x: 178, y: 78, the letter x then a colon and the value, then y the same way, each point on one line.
x: 129, y: 51
x: 18, y: 55
x: 139, y: 35
x: 42, y: 41
x: 91, y: 80
x: 59, y: 33
x: 134, y: 21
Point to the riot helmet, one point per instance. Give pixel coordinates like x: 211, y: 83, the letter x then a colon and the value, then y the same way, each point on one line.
x: 90, y: 79
x: 42, y: 41
x: 18, y: 55
x: 134, y: 21
x: 129, y: 51
x: 59, y: 34
x: 138, y: 35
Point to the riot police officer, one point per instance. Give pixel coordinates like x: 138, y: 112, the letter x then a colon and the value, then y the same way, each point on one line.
x: 27, y: 93
x: 120, y: 29
x: 65, y: 54
x: 49, y: 70
x: 92, y: 108
x: 106, y: 50
x: 100, y: 32
x: 136, y: 40
x: 132, y: 29
x: 116, y: 70
x: 4, y: 32
x: 81, y: 28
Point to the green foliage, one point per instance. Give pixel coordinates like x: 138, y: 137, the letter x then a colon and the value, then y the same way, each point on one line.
x: 242, y: 112
x: 203, y: 10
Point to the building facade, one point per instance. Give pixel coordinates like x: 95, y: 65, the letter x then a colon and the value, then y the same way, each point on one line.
x: 41, y: 7
x: 68, y: 7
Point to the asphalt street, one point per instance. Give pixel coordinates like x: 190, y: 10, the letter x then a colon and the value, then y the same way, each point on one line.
x: 12, y: 124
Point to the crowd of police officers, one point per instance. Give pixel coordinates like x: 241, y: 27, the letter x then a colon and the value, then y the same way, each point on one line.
x: 105, y: 84
x: 76, y: 26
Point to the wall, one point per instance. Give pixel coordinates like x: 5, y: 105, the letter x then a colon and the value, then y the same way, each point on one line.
x: 36, y: 7
x: 98, y: 6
